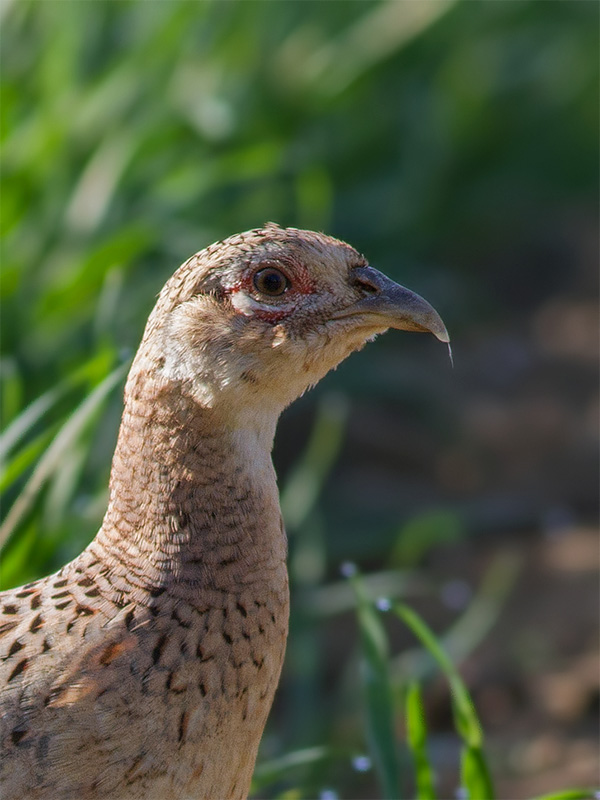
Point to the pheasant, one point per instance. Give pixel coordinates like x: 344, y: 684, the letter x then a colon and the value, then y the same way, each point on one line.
x: 146, y: 667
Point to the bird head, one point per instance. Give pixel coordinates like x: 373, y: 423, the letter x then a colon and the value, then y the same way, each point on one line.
x: 250, y: 323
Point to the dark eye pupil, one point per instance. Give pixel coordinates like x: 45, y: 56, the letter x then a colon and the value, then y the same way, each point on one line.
x: 270, y: 281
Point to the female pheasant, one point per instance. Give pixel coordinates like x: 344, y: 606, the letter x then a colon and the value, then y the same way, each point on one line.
x: 147, y: 666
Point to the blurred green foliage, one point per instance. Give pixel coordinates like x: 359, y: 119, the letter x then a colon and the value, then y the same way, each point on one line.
x: 433, y: 136
x: 453, y: 142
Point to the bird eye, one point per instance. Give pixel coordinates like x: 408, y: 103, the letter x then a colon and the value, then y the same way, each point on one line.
x: 270, y: 281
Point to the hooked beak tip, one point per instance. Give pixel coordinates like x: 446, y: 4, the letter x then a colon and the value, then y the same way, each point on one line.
x: 401, y: 308
x: 441, y: 333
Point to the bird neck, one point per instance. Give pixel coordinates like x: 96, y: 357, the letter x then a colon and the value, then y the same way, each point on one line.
x: 193, y: 495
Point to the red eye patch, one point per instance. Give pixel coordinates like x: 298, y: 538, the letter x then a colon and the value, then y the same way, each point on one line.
x: 299, y: 279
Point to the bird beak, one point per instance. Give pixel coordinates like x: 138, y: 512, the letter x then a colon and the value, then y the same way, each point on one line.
x: 393, y: 305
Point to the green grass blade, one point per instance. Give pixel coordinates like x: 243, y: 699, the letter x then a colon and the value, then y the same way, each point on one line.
x: 29, y: 416
x: 416, y: 729
x: 62, y: 486
x: 11, y: 389
x: 305, y: 482
x: 466, y: 719
x: 276, y: 769
x: 57, y: 450
x: 378, y: 691
x: 471, y: 627
x: 338, y: 597
x: 476, y: 774
x: 13, y: 469
x: 17, y: 557
x: 33, y: 413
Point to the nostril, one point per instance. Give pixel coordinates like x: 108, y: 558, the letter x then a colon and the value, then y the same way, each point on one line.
x: 365, y: 285
x: 367, y: 288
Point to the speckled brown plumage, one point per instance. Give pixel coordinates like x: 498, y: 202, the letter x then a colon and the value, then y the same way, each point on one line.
x: 147, y: 666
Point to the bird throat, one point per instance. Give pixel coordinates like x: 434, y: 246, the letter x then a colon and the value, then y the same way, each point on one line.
x: 193, y: 498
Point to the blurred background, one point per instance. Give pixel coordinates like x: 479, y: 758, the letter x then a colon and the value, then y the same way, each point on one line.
x: 456, y: 145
